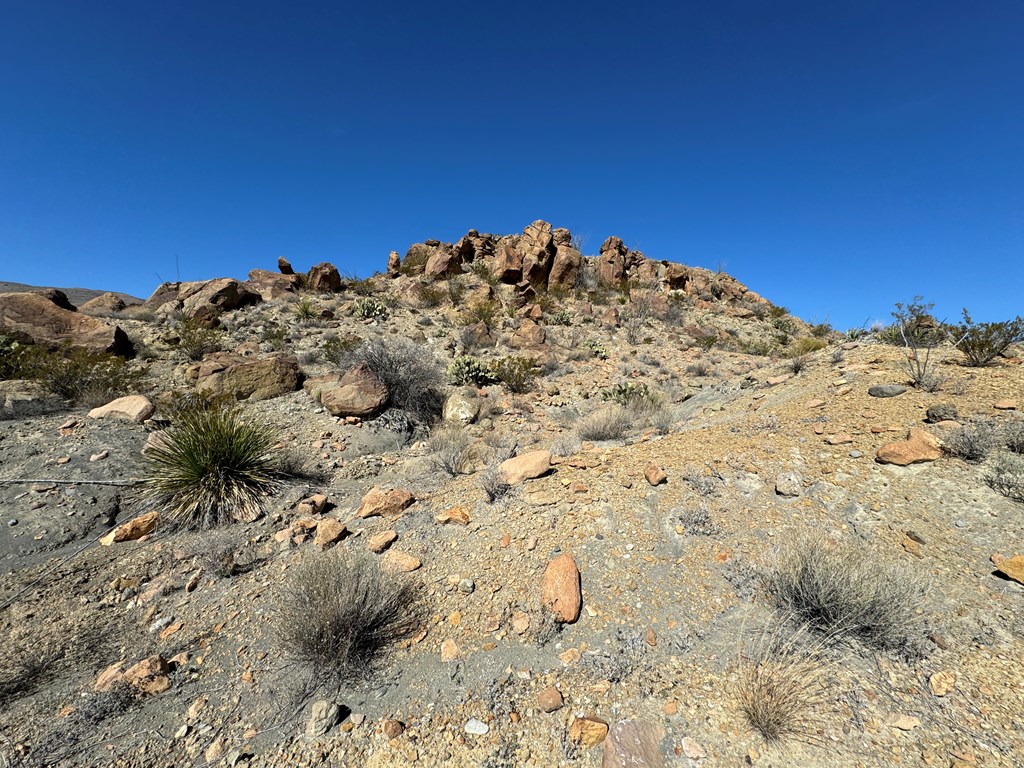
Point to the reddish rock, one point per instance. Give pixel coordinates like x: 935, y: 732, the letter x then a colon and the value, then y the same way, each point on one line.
x: 611, y: 263
x: 381, y: 541
x: 385, y: 503
x: 530, y: 335
x: 358, y: 393
x: 588, y: 731
x: 205, y: 300
x: 149, y: 675
x: 560, y: 592
x: 329, y: 531
x: 394, y: 264
x: 34, y: 319
x: 550, y: 699
x: 919, y: 447
x: 284, y: 266
x: 1005, y: 405
x: 442, y: 264
x: 273, y: 285
x: 655, y: 475
x: 1012, y: 567
x: 105, y: 302
x: 323, y: 278
x: 565, y: 267
x: 526, y: 467
x: 134, y: 529
x: 394, y: 561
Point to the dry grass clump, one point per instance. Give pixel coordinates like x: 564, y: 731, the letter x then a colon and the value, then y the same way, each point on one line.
x: 340, y: 616
x: 610, y: 423
x: 451, y: 449
x: 780, y: 686
x: 972, y: 442
x: 1013, y: 436
x: 211, y: 468
x: 847, y: 590
x: 494, y: 484
x: 1006, y: 476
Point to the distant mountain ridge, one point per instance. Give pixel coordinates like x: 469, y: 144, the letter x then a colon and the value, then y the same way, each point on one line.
x: 77, y: 296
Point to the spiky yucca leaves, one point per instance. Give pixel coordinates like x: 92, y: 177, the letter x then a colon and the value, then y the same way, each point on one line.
x: 211, y: 468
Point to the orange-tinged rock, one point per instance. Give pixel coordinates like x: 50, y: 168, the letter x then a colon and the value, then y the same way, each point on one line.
x: 455, y: 515
x: 1012, y: 567
x: 377, y: 501
x: 134, y: 529
x: 526, y: 467
x: 329, y: 531
x: 381, y: 541
x: 588, y: 731
x: 149, y: 675
x: 920, y: 446
x: 561, y: 592
x: 655, y: 475
x: 550, y: 699
x: 394, y: 561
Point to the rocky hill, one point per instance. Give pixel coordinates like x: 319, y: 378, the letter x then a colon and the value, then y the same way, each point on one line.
x: 605, y: 510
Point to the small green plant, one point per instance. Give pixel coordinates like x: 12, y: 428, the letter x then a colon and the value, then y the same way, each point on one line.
x: 599, y: 350
x: 821, y: 330
x: 481, y: 270
x: 798, y: 364
x: 336, y: 349
x: 209, y: 469
x: 981, y: 343
x: 276, y: 336
x: 196, y: 340
x: 517, y: 373
x: 341, y: 616
x: 370, y: 308
x: 972, y: 441
x: 560, y: 317
x: 429, y: 295
x: 777, y: 311
x: 706, y: 341
x: 627, y: 393
x: 467, y: 369
x: 456, y: 290
x: 480, y: 312
x: 306, y: 310
x: 805, y: 345
x: 760, y: 348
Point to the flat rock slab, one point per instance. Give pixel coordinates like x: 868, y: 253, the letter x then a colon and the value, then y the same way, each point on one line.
x: 634, y: 744
x: 919, y: 447
x: 886, y: 390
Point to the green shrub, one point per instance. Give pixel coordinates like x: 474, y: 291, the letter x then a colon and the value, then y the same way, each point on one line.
x: 209, y: 469
x: 517, y: 373
x: 920, y: 333
x: 338, y: 348
x: 305, y: 310
x: 804, y: 346
x: 597, y: 348
x: 467, y: 369
x: 196, y: 340
x: 340, y: 616
x: 370, y: 308
x: 480, y: 312
x: 628, y: 393
x: 981, y: 343
x: 707, y: 341
x: 821, y: 330
x: 561, y: 317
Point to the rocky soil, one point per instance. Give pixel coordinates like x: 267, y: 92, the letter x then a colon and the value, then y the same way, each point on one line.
x: 151, y: 652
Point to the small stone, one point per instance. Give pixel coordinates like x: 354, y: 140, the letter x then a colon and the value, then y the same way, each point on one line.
x: 693, y: 749
x: 387, y: 503
x: 149, y: 675
x: 395, y: 561
x: 520, y: 622
x: 840, y: 439
x: 856, y: 454
x: 476, y: 727
x: 1005, y: 405
x: 132, y: 530
x: 588, y: 731
x: 466, y: 586
x: 455, y: 515
x: 550, y: 699
x: 941, y: 412
x: 560, y: 592
x: 381, y: 541
x: 634, y: 743
x: 99, y: 456
x: 450, y: 650
x: 393, y: 728
x: 919, y: 447
x: 904, y: 722
x: 886, y: 390
x: 322, y: 717
x: 942, y: 682
x: 655, y: 475
x: 788, y: 484
x: 329, y: 531
x: 131, y: 408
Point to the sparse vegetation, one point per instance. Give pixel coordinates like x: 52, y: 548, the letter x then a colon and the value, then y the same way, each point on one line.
x: 517, y: 373
x: 306, y: 310
x: 972, y: 441
x: 1006, y: 476
x: 480, y: 312
x: 409, y: 372
x: 920, y: 334
x: 847, y: 590
x: 608, y: 423
x: 340, y: 616
x: 337, y: 349
x: 210, y: 468
x: 981, y: 343
x: 451, y: 449
x: 494, y: 484
x: 370, y: 308
x: 196, y: 340
x: 467, y: 369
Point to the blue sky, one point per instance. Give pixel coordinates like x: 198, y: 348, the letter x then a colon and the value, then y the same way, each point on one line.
x: 835, y: 157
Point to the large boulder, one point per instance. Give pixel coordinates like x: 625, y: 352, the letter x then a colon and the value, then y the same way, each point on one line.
x: 611, y: 264
x: 104, y: 303
x: 202, y: 300
x: 32, y: 318
x: 507, y: 264
x: 323, y: 278
x: 358, y: 393
x: 443, y: 263
x: 565, y: 267
x: 529, y: 335
x: 128, y: 408
x: 231, y: 374
x: 273, y: 285
x: 526, y: 467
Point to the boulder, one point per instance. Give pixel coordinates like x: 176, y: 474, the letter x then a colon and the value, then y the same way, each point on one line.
x: 284, y: 266
x: 560, y: 592
x: 565, y: 267
x: 941, y: 412
x: 105, y: 302
x: 131, y: 408
x: 654, y: 474
x: 788, y: 484
x: 886, y: 390
x: 389, y: 503
x: 33, y: 319
x: 1012, y: 567
x: 228, y: 373
x: 323, y: 716
x: 149, y: 675
x: 273, y: 285
x: 919, y: 447
x: 394, y: 264
x: 323, y: 278
x: 442, y: 263
x: 530, y: 335
x: 611, y: 263
x: 204, y: 301
x: 526, y: 467
x: 461, y: 408
x: 507, y: 265
x: 358, y: 393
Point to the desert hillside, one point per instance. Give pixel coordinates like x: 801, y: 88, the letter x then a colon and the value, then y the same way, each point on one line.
x: 505, y: 504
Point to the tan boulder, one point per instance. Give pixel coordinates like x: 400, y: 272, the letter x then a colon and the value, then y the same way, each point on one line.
x: 560, y: 592
x: 228, y: 373
x: 654, y: 474
x: 358, y: 393
x: 530, y: 335
x: 526, y: 467
x: 394, y: 264
x: 565, y: 267
x: 1012, y: 567
x: 389, y: 503
x: 329, y: 531
x: 442, y: 263
x: 920, y: 446
x: 273, y: 285
x: 611, y: 263
x: 105, y: 302
x: 205, y: 300
x: 323, y: 278
x: 381, y: 541
x: 461, y: 408
x: 394, y: 561
x: 131, y: 408
x: 35, y: 319
x: 134, y: 529
x: 507, y: 264
x: 588, y: 731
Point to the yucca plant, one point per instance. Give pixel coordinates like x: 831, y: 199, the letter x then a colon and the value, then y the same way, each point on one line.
x: 210, y: 469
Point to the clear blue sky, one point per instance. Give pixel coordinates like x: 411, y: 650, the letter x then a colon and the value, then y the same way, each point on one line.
x: 835, y: 157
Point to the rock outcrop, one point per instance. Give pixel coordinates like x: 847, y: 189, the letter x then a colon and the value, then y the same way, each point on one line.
x: 34, y: 318
x: 241, y: 378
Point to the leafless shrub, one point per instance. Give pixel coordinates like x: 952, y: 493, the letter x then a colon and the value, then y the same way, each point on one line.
x: 973, y: 441
x: 1006, y: 476
x: 696, y: 519
x: 408, y: 371
x: 619, y: 660
x: 340, y: 616
x: 494, y: 484
x: 608, y: 423
x: 1013, y: 436
x: 704, y: 482
x: 451, y: 449
x: 845, y: 589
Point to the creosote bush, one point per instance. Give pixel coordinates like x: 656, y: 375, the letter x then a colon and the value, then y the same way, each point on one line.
x: 196, y: 340
x: 409, y: 372
x: 515, y: 372
x: 846, y: 590
x: 981, y: 343
x: 209, y: 469
x: 341, y: 615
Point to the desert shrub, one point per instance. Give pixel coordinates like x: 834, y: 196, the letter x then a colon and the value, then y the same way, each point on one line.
x: 699, y: 368
x: 838, y: 356
x: 695, y: 519
x: 1013, y: 436
x: 429, y: 294
x: 597, y: 349
x: 776, y: 311
x: 72, y: 373
x: 481, y: 270
x: 517, y: 373
x: 628, y: 393
x: 409, y: 372
x: 857, y: 332
x: 214, y: 551
x: 973, y: 441
x: 196, y: 340
x: 780, y: 687
x: 847, y: 590
x: 340, y: 616
x: 494, y: 483
x: 609, y: 423
x: 759, y: 347
x: 702, y: 482
x: 209, y: 469
x: 480, y: 312
x: 370, y: 308
x: 805, y: 345
x: 821, y: 330
x: 361, y: 286
x: 1006, y: 476
x: 981, y: 343
x: 798, y: 364
x: 451, y: 449
x: 275, y: 335
x: 456, y: 290
x: 786, y: 325
x: 920, y: 334
x: 337, y: 349
x: 467, y: 369
x: 305, y: 310
x: 561, y: 317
